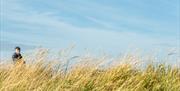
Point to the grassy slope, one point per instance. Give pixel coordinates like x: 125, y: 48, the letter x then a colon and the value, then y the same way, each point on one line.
x: 88, y: 77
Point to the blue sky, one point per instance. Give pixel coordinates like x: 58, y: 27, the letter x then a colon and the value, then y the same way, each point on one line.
x: 98, y: 25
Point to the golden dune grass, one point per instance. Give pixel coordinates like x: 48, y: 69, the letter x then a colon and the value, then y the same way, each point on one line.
x: 88, y: 76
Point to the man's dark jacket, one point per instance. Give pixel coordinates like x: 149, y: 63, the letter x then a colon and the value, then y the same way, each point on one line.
x: 16, y: 57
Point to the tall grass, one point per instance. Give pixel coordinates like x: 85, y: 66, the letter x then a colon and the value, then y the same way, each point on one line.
x: 89, y: 76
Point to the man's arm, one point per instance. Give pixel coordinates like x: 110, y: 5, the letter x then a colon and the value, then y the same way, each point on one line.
x: 20, y: 56
x: 14, y: 57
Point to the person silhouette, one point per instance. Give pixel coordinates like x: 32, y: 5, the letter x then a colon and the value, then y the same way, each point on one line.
x: 17, y: 57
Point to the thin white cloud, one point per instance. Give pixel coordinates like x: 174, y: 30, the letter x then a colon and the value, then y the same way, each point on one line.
x: 86, y: 37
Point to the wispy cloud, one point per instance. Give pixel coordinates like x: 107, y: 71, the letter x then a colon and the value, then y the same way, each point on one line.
x: 9, y: 46
x: 88, y: 24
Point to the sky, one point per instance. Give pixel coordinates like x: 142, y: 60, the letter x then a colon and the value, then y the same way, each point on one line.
x: 112, y: 26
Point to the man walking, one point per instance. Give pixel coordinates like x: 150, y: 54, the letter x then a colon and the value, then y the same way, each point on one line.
x: 17, y: 58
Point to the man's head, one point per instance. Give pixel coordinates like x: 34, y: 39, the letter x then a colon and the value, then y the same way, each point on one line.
x: 17, y: 50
